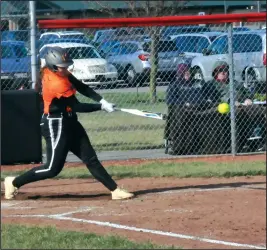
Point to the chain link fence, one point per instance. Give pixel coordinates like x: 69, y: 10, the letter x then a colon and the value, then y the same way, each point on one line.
x: 184, y: 72
x: 15, y: 45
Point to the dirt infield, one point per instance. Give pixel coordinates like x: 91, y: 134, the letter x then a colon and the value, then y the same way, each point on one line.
x: 207, y: 213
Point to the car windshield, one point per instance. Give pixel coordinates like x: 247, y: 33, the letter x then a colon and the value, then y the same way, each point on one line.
x: 219, y: 46
x: 167, y: 46
x: 189, y: 43
x: 212, y: 38
x: 83, y: 53
x: 107, y: 35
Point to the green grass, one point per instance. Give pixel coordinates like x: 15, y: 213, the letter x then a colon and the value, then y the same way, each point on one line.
x: 179, y: 170
x: 25, y: 237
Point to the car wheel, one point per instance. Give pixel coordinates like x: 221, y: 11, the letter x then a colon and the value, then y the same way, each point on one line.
x: 198, y: 75
x: 131, y: 76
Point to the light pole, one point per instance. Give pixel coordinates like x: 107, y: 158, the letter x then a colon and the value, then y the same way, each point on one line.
x: 259, y: 10
x: 225, y: 11
x: 259, y: 6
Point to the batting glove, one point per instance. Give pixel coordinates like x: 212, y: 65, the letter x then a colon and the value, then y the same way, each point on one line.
x: 109, y: 107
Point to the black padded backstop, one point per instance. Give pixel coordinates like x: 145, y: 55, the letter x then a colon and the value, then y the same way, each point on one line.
x: 20, y: 127
x: 202, y: 132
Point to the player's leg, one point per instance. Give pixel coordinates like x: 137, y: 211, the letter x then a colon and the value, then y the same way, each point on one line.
x: 57, y: 149
x: 83, y: 149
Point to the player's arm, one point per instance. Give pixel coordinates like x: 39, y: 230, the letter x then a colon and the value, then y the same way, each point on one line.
x: 84, y: 89
x: 81, y: 107
x: 89, y: 92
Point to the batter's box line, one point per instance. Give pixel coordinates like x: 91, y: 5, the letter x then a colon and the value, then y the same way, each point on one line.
x: 142, y: 230
x: 84, y: 209
x: 170, y: 192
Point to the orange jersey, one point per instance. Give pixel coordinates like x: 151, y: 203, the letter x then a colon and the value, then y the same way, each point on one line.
x: 55, y: 86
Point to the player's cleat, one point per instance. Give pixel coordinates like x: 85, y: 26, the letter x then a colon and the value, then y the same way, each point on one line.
x: 120, y: 194
x: 10, y: 190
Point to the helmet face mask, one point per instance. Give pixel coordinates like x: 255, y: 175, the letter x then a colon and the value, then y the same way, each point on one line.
x: 57, y: 57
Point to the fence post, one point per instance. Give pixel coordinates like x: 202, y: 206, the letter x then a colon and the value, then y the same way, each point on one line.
x: 32, y: 14
x: 232, y: 88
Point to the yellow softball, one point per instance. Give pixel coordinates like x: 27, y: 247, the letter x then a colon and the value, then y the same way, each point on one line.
x: 224, y: 108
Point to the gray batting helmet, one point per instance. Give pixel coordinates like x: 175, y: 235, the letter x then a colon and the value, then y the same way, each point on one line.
x: 57, y: 57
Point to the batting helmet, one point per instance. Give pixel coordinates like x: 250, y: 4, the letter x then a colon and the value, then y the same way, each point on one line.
x: 57, y: 57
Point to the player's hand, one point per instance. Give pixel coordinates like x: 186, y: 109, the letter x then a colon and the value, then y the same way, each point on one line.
x: 237, y: 104
x: 109, y: 107
x: 247, y: 102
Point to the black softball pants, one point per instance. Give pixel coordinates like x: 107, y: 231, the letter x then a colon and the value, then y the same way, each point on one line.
x: 62, y: 135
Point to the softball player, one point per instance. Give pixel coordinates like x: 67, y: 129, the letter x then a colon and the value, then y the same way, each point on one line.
x: 61, y: 128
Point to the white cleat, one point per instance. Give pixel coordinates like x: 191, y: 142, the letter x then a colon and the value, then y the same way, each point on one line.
x: 120, y: 194
x: 10, y: 190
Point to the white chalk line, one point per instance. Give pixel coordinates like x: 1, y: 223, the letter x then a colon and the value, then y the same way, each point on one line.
x: 86, y: 209
x: 201, y: 190
x: 143, y: 230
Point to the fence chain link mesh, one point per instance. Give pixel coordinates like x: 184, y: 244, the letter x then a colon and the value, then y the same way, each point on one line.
x: 180, y: 71
x: 15, y: 45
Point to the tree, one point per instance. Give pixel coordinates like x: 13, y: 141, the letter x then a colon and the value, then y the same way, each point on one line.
x: 147, y: 9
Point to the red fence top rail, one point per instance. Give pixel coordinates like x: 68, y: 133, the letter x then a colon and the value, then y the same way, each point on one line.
x: 151, y: 21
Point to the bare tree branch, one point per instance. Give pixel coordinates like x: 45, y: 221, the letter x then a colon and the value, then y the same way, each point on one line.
x: 132, y: 6
x: 105, y: 8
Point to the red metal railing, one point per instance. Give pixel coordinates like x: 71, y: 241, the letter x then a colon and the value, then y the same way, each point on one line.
x: 151, y: 21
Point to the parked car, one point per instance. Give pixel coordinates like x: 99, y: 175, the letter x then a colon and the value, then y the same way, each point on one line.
x: 131, y: 61
x: 168, y: 57
x: 89, y: 66
x: 249, y: 51
x: 15, y: 65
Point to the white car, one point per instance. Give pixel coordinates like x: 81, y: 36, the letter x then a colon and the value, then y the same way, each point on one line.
x: 89, y: 66
x: 249, y: 55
